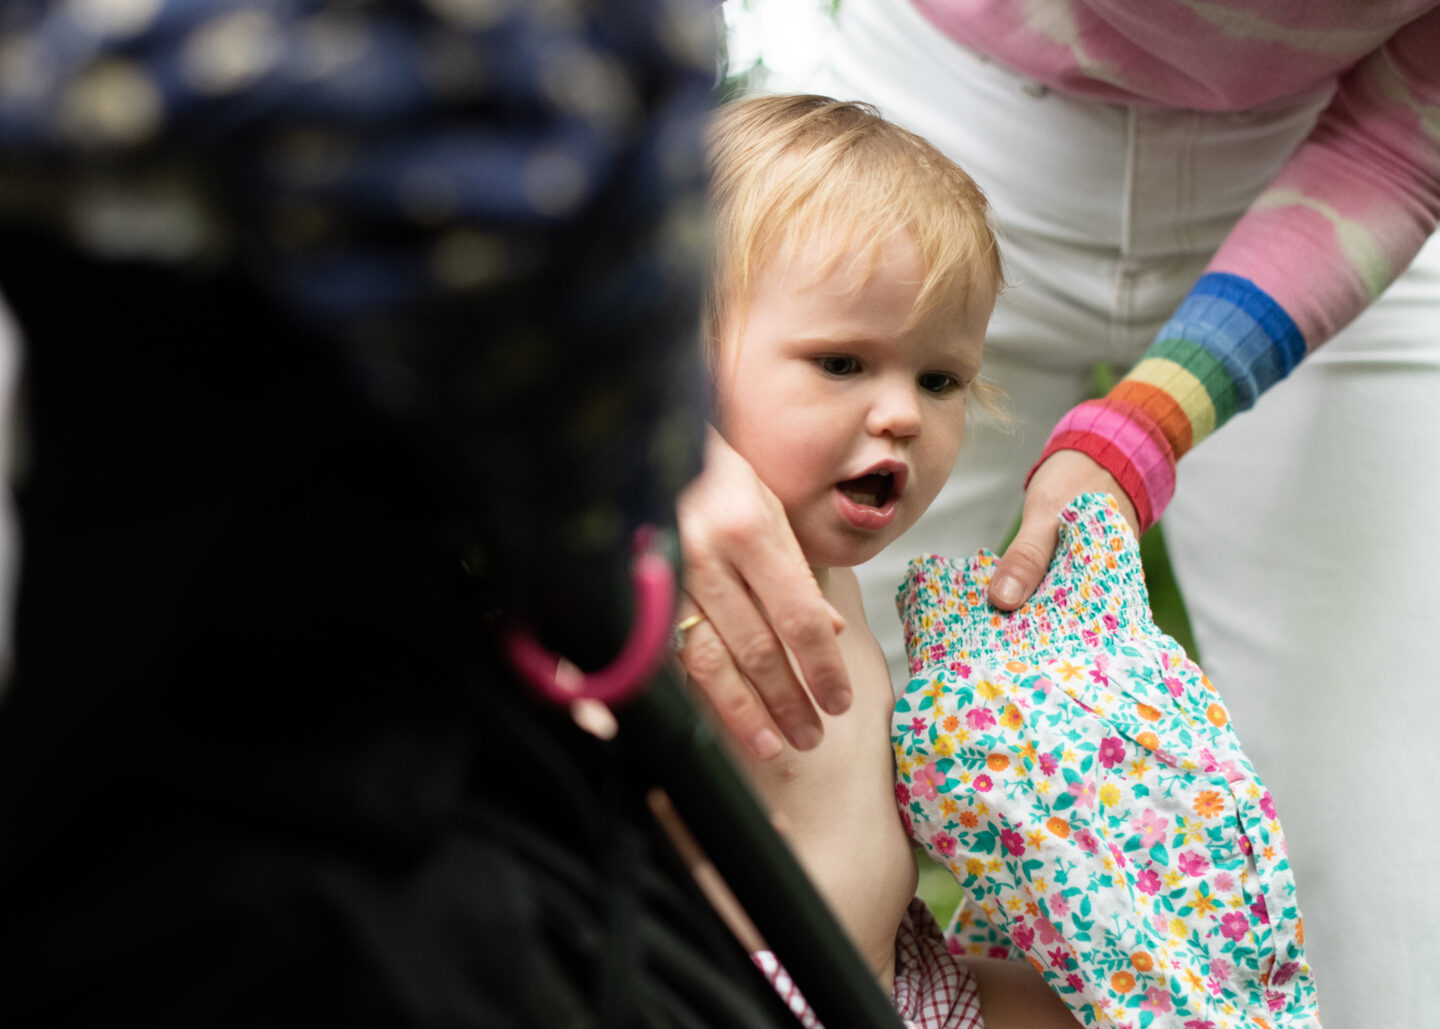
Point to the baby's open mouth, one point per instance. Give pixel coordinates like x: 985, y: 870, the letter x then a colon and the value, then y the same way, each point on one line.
x: 873, y: 490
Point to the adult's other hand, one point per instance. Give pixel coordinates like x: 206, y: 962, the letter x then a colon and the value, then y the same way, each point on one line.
x: 745, y: 573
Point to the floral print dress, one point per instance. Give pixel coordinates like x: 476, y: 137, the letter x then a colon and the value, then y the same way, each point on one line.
x: 1079, y: 776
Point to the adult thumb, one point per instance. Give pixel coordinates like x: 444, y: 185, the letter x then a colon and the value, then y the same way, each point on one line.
x: 1024, y: 562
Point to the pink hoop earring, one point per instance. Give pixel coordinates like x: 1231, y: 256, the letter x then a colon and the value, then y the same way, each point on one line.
x: 653, y: 583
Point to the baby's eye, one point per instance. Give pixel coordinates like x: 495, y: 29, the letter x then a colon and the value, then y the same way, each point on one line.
x: 937, y: 382
x: 838, y: 365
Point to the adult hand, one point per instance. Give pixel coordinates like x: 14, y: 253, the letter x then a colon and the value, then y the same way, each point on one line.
x: 1064, y: 476
x: 746, y: 574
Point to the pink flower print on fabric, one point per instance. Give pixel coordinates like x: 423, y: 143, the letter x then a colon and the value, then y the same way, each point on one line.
x: 979, y: 718
x: 1112, y: 752
x: 943, y: 843
x: 1192, y: 863
x: 1084, y: 793
x: 1150, y: 827
x: 1012, y: 841
x: 1124, y: 844
x: 926, y: 782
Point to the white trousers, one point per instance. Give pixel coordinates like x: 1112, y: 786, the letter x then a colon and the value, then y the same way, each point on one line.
x: 1298, y: 531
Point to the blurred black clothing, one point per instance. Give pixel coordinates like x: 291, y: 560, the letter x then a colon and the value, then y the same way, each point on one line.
x: 410, y: 354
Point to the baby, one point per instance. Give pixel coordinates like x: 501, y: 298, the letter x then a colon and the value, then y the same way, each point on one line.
x: 1067, y: 762
x: 854, y: 280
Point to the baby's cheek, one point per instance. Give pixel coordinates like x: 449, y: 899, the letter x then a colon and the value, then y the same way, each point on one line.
x: 938, y: 460
x: 924, y: 488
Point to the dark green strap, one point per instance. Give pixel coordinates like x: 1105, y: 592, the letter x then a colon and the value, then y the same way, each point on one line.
x: 681, y: 753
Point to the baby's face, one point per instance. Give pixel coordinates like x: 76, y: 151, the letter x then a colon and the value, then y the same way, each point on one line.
x: 852, y: 417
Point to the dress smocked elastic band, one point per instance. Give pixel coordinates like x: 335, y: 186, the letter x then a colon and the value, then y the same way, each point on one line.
x: 1097, y: 584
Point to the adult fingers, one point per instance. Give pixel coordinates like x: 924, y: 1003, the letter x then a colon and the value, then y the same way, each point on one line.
x: 775, y: 571
x: 710, y: 667
x: 745, y: 571
x: 737, y: 656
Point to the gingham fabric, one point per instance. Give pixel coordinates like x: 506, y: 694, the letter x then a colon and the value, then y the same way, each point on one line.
x: 933, y: 989
x: 1080, y: 777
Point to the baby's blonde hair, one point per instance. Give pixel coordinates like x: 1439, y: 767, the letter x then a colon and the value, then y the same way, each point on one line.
x: 809, y: 169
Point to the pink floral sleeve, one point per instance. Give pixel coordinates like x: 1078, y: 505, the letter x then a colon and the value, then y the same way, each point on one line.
x: 1080, y: 777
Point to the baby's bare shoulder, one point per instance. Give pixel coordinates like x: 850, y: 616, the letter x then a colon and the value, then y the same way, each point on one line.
x: 842, y: 588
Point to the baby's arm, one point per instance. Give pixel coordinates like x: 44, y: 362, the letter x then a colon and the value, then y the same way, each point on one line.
x: 1015, y: 996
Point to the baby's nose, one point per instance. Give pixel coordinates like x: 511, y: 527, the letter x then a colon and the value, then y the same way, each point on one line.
x: 895, y: 411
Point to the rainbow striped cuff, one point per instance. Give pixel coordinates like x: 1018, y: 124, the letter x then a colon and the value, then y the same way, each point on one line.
x: 1128, y: 444
x: 1227, y: 343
